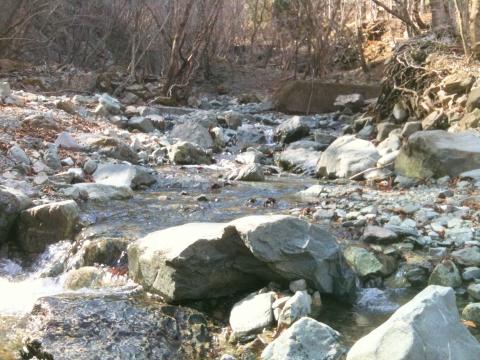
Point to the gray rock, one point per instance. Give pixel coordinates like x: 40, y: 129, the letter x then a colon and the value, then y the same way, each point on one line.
x: 379, y: 235
x: 140, y: 123
x: 384, y: 129
x: 296, y: 307
x: 346, y: 157
x: 470, y: 120
x: 411, y: 127
x: 250, y: 172
x: 471, y: 312
x: 467, y: 257
x: 51, y: 158
x: 185, y: 153
x: 408, y: 333
x: 46, y: 224
x: 435, y: 120
x: 193, y: 132
x: 203, y: 259
x: 249, y: 135
x: 353, y: 102
x: 19, y: 156
x: 194, y: 261
x: 233, y: 119
x: 457, y: 83
x: 251, y: 156
x: 474, y: 291
x: 294, y: 248
x: 390, y: 144
x: 438, y: 153
x: 123, y: 175
x: 98, y: 192
x: 12, y: 202
x: 446, y: 274
x: 5, y: 90
x: 108, y: 146
x: 297, y: 285
x: 323, y: 138
x: 109, y: 104
x: 303, y: 161
x: 252, y: 314
x: 473, y: 100
x: 307, y: 339
x: 362, y: 261
x: 124, y: 327
x: 471, y: 273
x: 84, y: 277
x: 292, y: 130
x: 90, y: 166
x: 400, y: 112
x: 102, y: 251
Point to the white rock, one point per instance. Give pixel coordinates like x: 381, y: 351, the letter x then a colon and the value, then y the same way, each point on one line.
x: 299, y: 305
x: 252, y: 314
x: 427, y: 327
x: 307, y: 339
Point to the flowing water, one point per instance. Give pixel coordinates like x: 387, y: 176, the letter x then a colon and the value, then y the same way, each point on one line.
x: 163, y: 206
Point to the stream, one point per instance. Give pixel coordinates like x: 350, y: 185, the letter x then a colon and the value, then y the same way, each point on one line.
x: 172, y: 202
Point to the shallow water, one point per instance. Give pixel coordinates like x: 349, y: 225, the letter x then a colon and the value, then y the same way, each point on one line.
x: 164, y: 206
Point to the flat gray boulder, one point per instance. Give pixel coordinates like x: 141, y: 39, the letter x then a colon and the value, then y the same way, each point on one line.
x: 123, y: 175
x: 194, y: 261
x: 426, y: 328
x: 205, y: 260
x: 438, y: 153
x: 295, y: 249
x: 347, y: 156
x: 307, y: 339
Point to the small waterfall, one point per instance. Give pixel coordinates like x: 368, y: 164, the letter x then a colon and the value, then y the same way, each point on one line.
x: 20, y: 287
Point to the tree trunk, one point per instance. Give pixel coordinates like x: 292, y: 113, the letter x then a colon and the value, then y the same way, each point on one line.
x: 440, y: 17
x: 474, y: 25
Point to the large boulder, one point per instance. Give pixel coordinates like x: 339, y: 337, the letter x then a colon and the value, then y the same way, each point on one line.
x: 347, y: 156
x: 307, y: 339
x: 123, y: 175
x: 438, y: 153
x: 85, y: 327
x: 194, y: 133
x: 185, y: 153
x: 12, y: 202
x: 46, y: 224
x: 295, y: 249
x: 427, y: 327
x: 203, y: 260
x: 194, y: 261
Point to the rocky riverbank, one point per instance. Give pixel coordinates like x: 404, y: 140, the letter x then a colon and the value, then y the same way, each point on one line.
x: 231, y: 231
